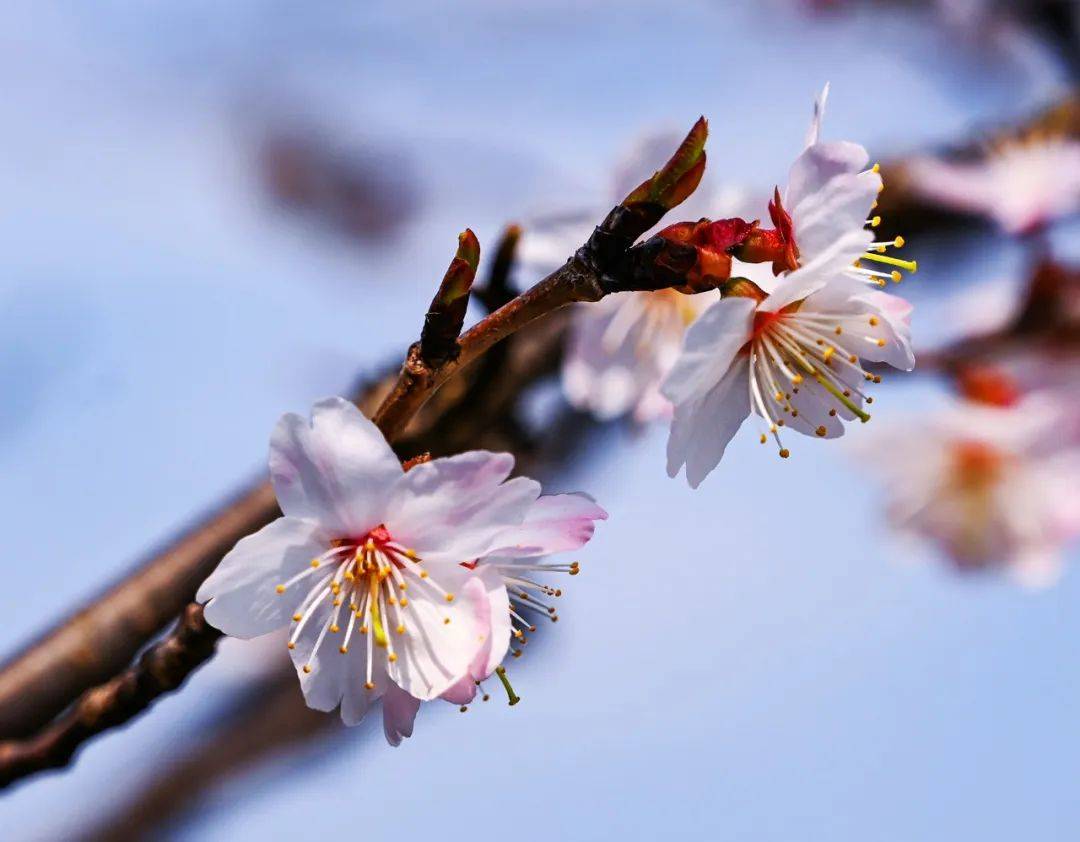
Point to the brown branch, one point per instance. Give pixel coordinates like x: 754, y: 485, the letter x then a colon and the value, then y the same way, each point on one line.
x: 162, y: 668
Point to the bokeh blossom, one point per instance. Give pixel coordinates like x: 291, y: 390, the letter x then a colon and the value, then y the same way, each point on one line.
x: 1022, y: 185
x: 374, y: 568
x: 993, y: 486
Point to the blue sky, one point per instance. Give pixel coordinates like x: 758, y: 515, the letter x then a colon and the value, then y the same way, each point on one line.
x: 754, y: 660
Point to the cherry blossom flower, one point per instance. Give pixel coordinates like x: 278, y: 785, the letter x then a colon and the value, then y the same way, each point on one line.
x: 793, y: 355
x: 992, y: 486
x: 372, y: 567
x: 1022, y: 185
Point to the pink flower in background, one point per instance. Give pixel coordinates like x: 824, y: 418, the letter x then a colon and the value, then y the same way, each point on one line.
x: 793, y: 355
x: 370, y: 565
x: 1023, y: 186
x: 621, y: 347
x: 993, y: 486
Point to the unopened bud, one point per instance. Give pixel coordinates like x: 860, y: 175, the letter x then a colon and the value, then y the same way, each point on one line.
x: 442, y: 325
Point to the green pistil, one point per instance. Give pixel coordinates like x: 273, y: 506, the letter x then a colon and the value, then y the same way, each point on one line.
x: 381, y: 638
x: 513, y: 697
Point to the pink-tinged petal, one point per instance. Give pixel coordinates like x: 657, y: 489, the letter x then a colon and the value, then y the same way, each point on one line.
x: 555, y: 523
x: 702, y: 429
x: 709, y: 349
x: 241, y: 594
x: 461, y: 693
x: 493, y: 651
x: 433, y: 654
x: 820, y: 163
x: 399, y: 713
x: 337, y: 470
x: 487, y: 592
x: 452, y: 509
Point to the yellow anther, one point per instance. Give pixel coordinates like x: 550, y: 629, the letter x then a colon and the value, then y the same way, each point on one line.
x: 334, y: 629
x: 881, y: 343
x: 821, y: 431
x: 314, y: 562
x: 291, y: 645
x: 363, y: 629
x: 875, y: 222
x: 344, y: 650
x: 764, y: 438
x: 369, y: 685
x: 336, y: 603
x: 392, y: 657
x: 307, y: 668
x: 297, y: 617
x: 404, y: 602
x: 280, y: 589
x: 369, y: 546
x: 851, y: 359
x: 832, y: 413
x: 827, y: 353
x: 873, y: 321
x: 335, y: 588
x: 403, y: 586
x: 784, y: 453
x: 839, y: 330
x: 881, y: 249
x: 423, y: 574
x: 779, y: 396
x: 875, y: 168
x: 401, y: 628
x: 899, y: 242
x: 449, y: 597
x: 410, y: 554
x: 798, y: 378
x: 896, y: 276
x: 446, y: 621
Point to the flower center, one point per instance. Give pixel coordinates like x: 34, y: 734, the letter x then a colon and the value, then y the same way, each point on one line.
x: 804, y: 364
x: 977, y: 466
x: 372, y: 575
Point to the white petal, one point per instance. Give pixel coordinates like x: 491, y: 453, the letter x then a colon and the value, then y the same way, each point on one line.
x: 452, y: 509
x: 337, y: 470
x: 828, y: 267
x: 242, y: 595
x: 701, y: 429
x: 399, y: 713
x: 842, y: 205
x: 555, y: 523
x: 433, y: 655
x: 820, y: 163
x: 813, y: 134
x: 709, y: 348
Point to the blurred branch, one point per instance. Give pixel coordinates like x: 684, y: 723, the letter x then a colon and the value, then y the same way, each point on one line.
x: 162, y: 668
x: 901, y: 207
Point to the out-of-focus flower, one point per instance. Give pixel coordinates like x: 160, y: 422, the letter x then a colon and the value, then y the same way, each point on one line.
x: 1022, y: 185
x: 621, y: 348
x: 555, y: 524
x: 372, y: 565
x: 793, y: 355
x: 994, y: 486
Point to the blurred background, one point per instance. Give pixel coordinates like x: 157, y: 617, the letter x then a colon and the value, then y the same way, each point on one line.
x: 215, y: 213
